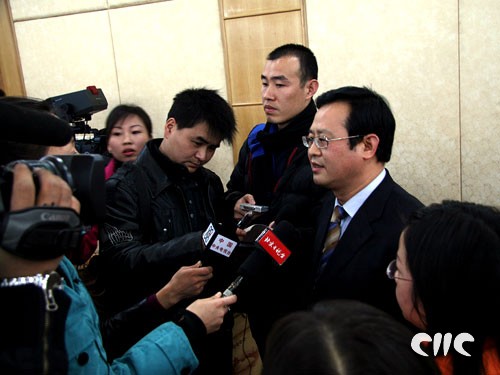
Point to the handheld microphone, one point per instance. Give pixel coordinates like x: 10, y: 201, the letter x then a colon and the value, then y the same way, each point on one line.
x: 216, y: 242
x: 287, y: 212
x: 271, y: 253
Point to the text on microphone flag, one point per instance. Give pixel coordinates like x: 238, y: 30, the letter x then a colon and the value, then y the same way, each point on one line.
x: 223, y: 245
x: 274, y: 247
x: 217, y: 242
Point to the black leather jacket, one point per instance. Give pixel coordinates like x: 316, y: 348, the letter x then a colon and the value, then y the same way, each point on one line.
x: 182, y: 204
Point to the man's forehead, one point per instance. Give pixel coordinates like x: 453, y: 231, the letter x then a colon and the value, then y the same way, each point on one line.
x: 201, y: 132
x: 332, y: 116
x: 286, y: 67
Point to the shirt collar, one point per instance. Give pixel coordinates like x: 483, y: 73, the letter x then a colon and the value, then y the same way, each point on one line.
x: 354, y: 204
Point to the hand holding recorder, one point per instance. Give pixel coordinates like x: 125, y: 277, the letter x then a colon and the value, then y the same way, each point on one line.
x: 251, y: 211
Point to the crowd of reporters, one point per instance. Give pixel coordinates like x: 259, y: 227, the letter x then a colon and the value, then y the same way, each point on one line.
x: 155, y: 302
x: 63, y: 333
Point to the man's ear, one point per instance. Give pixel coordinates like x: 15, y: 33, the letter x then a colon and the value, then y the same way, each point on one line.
x: 369, y: 145
x: 170, y: 124
x: 312, y: 87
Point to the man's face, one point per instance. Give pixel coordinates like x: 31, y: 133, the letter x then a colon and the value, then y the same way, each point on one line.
x: 68, y: 149
x: 283, y: 96
x: 336, y: 167
x: 191, y: 147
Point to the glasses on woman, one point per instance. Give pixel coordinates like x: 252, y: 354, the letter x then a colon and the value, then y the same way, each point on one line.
x: 391, y: 271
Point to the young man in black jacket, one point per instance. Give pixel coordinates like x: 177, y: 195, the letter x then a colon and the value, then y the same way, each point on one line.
x: 158, y: 208
x: 273, y: 170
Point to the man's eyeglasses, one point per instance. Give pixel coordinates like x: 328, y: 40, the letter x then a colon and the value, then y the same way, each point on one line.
x: 322, y: 141
x: 391, y: 272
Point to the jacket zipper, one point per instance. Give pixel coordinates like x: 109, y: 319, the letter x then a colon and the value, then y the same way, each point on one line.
x: 48, y: 285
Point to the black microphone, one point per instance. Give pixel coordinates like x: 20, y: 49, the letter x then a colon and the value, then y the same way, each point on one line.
x: 288, y: 212
x: 26, y: 125
x: 216, y: 242
x: 269, y: 255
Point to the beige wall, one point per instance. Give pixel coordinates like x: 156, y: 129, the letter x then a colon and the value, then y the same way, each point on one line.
x: 437, y: 64
x: 142, y: 54
x: 435, y: 61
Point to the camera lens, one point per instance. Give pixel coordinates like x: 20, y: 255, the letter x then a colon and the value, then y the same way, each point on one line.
x: 55, y: 165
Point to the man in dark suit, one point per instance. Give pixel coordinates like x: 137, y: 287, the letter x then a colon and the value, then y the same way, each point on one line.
x: 349, y: 143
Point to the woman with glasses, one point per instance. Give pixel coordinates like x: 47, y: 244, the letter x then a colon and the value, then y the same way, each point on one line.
x: 447, y: 275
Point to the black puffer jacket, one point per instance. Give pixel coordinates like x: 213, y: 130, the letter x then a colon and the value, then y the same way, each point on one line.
x: 273, y: 167
x: 182, y: 204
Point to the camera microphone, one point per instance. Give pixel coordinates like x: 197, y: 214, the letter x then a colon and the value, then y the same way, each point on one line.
x: 269, y: 255
x: 26, y: 125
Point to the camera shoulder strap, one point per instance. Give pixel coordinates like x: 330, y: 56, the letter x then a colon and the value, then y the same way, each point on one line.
x: 41, y: 233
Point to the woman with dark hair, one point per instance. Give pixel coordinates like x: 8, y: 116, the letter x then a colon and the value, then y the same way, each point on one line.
x: 128, y: 128
x: 447, y: 274
x: 342, y: 337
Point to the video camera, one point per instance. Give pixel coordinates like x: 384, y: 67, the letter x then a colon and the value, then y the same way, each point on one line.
x: 46, y: 232
x: 84, y: 173
x: 77, y: 108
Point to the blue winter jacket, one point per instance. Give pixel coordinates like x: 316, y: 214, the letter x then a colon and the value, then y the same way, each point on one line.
x: 165, y: 350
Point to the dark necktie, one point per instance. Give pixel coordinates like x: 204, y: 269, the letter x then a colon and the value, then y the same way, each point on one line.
x: 333, y: 236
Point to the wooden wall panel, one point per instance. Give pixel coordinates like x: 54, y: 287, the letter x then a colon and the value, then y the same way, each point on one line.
x: 242, y: 8
x: 251, y: 39
x: 247, y: 116
x: 11, y: 77
x: 252, y: 29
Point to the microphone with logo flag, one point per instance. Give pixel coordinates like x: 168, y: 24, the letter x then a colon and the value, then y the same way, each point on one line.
x: 219, y: 253
x: 216, y: 242
x: 271, y: 252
